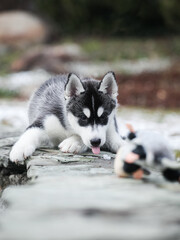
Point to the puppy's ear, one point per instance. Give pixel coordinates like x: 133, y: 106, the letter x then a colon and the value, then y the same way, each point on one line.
x: 73, y: 86
x: 108, y: 85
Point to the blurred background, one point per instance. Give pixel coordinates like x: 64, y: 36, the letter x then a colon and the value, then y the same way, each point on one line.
x: 137, y: 39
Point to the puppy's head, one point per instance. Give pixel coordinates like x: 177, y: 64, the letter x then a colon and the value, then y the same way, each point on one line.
x: 90, y: 107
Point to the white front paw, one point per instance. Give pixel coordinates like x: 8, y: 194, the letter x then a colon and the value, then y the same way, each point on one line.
x: 21, y: 151
x: 72, y: 145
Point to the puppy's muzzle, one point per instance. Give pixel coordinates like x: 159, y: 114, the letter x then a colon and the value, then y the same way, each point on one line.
x: 95, y: 142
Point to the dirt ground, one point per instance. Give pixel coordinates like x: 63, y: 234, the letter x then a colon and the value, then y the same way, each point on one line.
x: 151, y: 89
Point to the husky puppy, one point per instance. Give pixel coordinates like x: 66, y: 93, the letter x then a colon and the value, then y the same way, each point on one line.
x: 72, y: 113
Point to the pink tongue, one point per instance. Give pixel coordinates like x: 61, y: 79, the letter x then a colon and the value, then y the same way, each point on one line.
x: 96, y: 150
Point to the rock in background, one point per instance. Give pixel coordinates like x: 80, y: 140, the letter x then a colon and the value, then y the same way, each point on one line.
x: 19, y: 29
x: 52, y: 58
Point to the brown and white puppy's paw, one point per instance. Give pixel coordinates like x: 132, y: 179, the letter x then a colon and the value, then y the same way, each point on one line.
x: 119, y: 164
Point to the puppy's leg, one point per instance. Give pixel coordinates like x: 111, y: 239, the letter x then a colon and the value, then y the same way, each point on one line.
x: 73, y: 144
x: 113, y: 138
x: 27, y: 144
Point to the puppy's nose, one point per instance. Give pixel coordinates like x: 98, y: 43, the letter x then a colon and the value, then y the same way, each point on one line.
x: 95, y: 142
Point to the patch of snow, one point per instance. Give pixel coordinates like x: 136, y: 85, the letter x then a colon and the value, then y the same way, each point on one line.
x: 22, y: 80
x: 125, y: 66
x: 106, y: 157
x: 13, y: 115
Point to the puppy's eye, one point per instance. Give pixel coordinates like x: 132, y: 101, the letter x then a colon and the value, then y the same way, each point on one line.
x: 83, y: 120
x: 103, y: 119
x: 83, y: 117
x: 104, y: 116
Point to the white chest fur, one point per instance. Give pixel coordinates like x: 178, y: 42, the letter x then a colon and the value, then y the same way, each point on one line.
x: 55, y: 130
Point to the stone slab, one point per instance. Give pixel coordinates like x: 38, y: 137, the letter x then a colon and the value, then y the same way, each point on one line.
x: 79, y: 197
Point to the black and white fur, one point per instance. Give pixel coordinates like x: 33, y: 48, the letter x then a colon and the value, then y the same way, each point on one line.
x: 72, y: 113
x: 153, y: 151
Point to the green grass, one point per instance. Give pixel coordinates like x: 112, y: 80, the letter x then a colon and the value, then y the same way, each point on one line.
x: 6, y: 59
x: 8, y: 94
x: 109, y: 49
x: 116, y: 49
